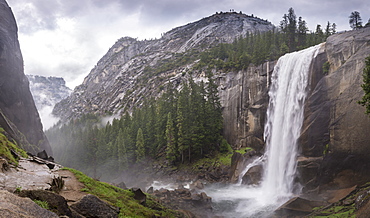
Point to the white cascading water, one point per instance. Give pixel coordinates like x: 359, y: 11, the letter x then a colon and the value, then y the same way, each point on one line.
x: 287, y: 95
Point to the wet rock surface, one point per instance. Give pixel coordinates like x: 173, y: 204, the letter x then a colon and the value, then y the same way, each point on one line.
x: 195, y: 203
x: 12, y: 205
x: 336, y: 126
x: 55, y: 202
x: 92, y: 206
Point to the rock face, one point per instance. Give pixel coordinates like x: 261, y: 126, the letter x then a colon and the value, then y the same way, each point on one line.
x: 121, y: 78
x: 244, y: 98
x: 16, y: 102
x: 47, y: 91
x: 14, y: 206
x: 335, y: 126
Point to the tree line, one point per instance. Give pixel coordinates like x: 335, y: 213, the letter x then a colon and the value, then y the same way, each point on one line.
x: 292, y: 35
x: 178, y: 127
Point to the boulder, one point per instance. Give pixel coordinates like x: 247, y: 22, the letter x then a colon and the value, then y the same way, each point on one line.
x: 56, y: 202
x: 253, y: 176
x: 92, y: 206
x: 308, y: 169
x: 4, y: 166
x: 14, y: 206
x: 139, y: 195
x: 238, y: 164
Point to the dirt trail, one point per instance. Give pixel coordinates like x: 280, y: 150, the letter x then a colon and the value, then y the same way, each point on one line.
x: 30, y: 175
x: 72, y: 187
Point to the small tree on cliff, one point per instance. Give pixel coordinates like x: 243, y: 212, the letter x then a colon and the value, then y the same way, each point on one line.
x: 366, y: 86
x: 355, y: 20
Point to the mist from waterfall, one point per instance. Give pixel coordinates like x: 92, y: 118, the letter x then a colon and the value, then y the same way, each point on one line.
x: 287, y: 94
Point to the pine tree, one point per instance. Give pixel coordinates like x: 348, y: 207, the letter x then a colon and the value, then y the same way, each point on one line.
x: 121, y: 150
x: 355, y: 20
x: 365, y: 101
x: 140, y: 147
x: 302, y: 33
x: 170, y: 138
x: 291, y: 29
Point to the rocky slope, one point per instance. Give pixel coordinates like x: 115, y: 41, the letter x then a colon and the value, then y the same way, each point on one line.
x: 18, y: 113
x: 121, y: 78
x: 47, y: 91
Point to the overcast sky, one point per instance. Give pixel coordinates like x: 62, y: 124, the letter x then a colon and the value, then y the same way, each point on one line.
x: 66, y: 38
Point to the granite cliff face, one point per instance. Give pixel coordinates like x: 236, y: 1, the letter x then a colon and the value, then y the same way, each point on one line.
x: 335, y: 135
x: 18, y: 113
x: 120, y: 79
x: 47, y: 91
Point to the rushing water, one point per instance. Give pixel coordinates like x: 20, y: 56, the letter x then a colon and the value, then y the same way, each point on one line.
x: 287, y: 95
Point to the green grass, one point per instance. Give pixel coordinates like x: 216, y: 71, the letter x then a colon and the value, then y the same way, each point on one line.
x: 244, y: 150
x: 6, y: 146
x: 42, y: 204
x: 123, y: 198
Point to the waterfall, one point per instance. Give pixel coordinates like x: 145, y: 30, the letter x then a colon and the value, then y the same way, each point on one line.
x: 287, y: 94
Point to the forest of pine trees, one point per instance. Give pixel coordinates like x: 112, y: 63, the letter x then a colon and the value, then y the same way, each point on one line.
x: 180, y: 127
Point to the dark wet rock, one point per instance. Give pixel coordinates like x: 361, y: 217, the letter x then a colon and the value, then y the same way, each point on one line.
x: 14, y: 206
x: 197, y: 203
x: 139, y: 195
x: 150, y: 190
x: 91, y: 206
x: 298, y: 207
x: 308, y: 169
x: 122, y: 185
x: 239, y: 162
x: 56, y: 202
x: 198, y: 184
x: 253, y: 176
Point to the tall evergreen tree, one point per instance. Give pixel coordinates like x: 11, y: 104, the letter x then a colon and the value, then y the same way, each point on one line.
x: 302, y: 33
x: 170, y: 138
x: 140, y: 147
x: 291, y: 29
x: 121, y: 150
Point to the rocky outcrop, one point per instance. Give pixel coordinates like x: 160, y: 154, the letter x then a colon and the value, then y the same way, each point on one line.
x: 14, y: 206
x: 336, y: 127
x: 16, y: 102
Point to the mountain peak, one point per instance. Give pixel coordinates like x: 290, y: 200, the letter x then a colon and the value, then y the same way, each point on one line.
x: 113, y: 85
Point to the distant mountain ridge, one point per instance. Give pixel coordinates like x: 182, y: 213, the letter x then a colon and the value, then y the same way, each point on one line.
x: 120, y: 80
x: 47, y: 91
